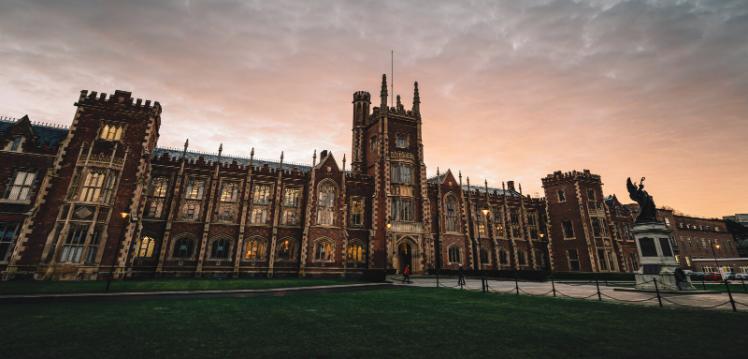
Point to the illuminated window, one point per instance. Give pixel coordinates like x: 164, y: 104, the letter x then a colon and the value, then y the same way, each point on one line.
x: 286, y: 250
x: 326, y: 203
x: 220, y: 249
x: 183, y: 248
x: 230, y: 191
x: 262, y: 194
x: 194, y: 189
x: 254, y: 250
x: 482, y: 225
x: 324, y: 250
x: 355, y: 252
x: 228, y: 208
x: 455, y: 255
x: 451, y: 219
x: 146, y: 247
x: 111, y: 131
x: 261, y: 197
x: 357, y: 211
x: 96, y: 186
x: 8, y: 233
x: 20, y: 189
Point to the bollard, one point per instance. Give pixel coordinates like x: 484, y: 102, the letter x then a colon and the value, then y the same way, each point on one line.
x: 729, y: 293
x: 703, y: 285
x: 516, y: 284
x: 597, y: 285
x: 553, y: 287
x: 742, y: 281
x: 437, y: 279
x: 657, y: 289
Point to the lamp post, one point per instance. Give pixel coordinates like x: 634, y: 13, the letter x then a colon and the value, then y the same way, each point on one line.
x: 124, y: 215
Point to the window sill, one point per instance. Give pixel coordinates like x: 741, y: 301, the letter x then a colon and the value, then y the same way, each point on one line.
x: 15, y: 201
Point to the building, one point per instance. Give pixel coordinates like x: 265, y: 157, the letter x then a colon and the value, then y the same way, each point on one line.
x: 101, y: 197
x: 580, y: 224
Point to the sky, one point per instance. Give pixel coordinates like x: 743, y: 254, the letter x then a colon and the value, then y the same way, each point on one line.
x: 510, y: 90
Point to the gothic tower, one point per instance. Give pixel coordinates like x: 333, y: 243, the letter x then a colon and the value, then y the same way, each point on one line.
x: 392, y: 153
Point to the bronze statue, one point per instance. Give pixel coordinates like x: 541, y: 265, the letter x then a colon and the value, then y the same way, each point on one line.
x: 647, y: 208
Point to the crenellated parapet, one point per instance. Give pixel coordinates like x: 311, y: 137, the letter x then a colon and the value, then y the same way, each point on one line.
x: 122, y: 100
x: 570, y: 176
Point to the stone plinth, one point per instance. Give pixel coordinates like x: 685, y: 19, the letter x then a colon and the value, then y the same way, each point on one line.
x: 656, y: 257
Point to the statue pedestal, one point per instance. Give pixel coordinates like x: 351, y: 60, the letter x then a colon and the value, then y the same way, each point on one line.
x: 657, y: 262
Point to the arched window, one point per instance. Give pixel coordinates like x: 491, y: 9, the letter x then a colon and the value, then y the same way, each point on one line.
x: 450, y: 214
x: 355, y: 252
x: 286, y: 249
x: 254, y: 250
x: 183, y: 248
x: 324, y: 250
x: 220, y: 248
x: 455, y: 255
x: 326, y: 203
x: 146, y: 247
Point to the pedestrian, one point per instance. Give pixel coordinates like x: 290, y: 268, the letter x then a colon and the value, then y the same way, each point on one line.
x: 461, y: 276
x: 406, y: 274
x: 680, y: 279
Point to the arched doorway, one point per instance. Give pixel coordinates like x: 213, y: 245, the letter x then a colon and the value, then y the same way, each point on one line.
x: 405, y: 256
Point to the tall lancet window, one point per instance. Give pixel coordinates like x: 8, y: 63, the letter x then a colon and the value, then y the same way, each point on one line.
x: 326, y: 203
x: 450, y: 214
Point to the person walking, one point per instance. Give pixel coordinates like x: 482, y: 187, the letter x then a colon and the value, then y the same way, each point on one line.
x: 461, y: 276
x: 406, y: 274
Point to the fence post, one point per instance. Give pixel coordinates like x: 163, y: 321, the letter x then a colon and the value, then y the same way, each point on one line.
x: 459, y: 281
x: 553, y: 286
x: 597, y: 285
x: 657, y: 289
x: 516, y: 284
x: 742, y: 281
x: 482, y: 284
x: 437, y: 278
x: 729, y: 293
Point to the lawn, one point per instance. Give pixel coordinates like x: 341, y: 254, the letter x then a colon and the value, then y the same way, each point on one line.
x: 396, y: 322
x: 32, y: 287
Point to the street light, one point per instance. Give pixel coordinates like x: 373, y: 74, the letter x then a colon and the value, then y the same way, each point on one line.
x: 124, y: 215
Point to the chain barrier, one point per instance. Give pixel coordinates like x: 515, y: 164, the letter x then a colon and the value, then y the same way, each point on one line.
x: 571, y: 296
x: 667, y: 299
x: 628, y: 300
x: 539, y: 294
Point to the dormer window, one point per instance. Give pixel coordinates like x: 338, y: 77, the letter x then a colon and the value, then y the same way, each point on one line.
x: 402, y: 140
x: 112, y: 131
x: 15, y: 144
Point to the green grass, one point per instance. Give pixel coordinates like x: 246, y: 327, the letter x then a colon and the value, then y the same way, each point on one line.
x: 36, y: 287
x: 398, y: 322
x: 720, y: 287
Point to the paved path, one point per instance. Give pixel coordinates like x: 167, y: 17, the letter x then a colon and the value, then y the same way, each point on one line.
x: 30, y: 298
x: 585, y: 290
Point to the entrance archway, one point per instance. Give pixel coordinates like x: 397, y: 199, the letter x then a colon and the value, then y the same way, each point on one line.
x: 405, y: 256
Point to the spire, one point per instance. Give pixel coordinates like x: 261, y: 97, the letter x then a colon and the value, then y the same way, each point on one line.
x: 416, y: 99
x: 383, y: 104
x: 314, y: 158
x: 220, y: 151
x: 344, y: 163
x: 186, y: 144
x: 399, y: 103
x: 281, y: 158
x: 251, y: 156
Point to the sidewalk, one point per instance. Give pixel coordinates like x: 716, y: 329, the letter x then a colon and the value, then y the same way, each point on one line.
x: 584, y: 290
x: 35, y: 298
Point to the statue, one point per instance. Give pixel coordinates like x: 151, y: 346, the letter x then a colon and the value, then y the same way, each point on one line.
x: 647, y: 208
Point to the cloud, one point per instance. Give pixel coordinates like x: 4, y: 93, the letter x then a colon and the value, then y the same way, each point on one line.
x: 510, y: 89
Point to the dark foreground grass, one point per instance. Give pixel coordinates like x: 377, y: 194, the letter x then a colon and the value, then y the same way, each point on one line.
x: 37, y: 287
x: 398, y: 322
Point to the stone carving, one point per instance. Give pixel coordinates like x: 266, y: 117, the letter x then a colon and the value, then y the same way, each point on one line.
x: 647, y: 208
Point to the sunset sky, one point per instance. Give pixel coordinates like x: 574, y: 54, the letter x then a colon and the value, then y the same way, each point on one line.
x: 510, y: 90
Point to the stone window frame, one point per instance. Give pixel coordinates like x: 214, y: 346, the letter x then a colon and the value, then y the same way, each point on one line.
x: 177, y: 239
x: 113, y: 131
x: 293, y: 208
x: 329, y: 256
x: 229, y: 246
x: 483, y: 250
x: 459, y: 254
x: 353, y: 243
x: 261, y: 249
x: 329, y: 208
x: 563, y: 229
x: 149, y: 249
x: 402, y: 140
x: 28, y: 184
x: 361, y: 213
x: 8, y: 242
x: 569, y: 260
x: 15, y: 144
x: 294, y: 249
x: 261, y: 202
x: 157, y: 197
x: 456, y: 214
x: 561, y: 196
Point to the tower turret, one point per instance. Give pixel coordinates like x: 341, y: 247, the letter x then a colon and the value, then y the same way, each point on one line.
x: 361, y: 102
x: 383, y: 94
x: 416, y: 100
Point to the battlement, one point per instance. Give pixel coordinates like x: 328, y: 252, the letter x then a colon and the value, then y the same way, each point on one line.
x: 10, y: 119
x: 559, y: 176
x: 122, y: 98
x: 361, y: 96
